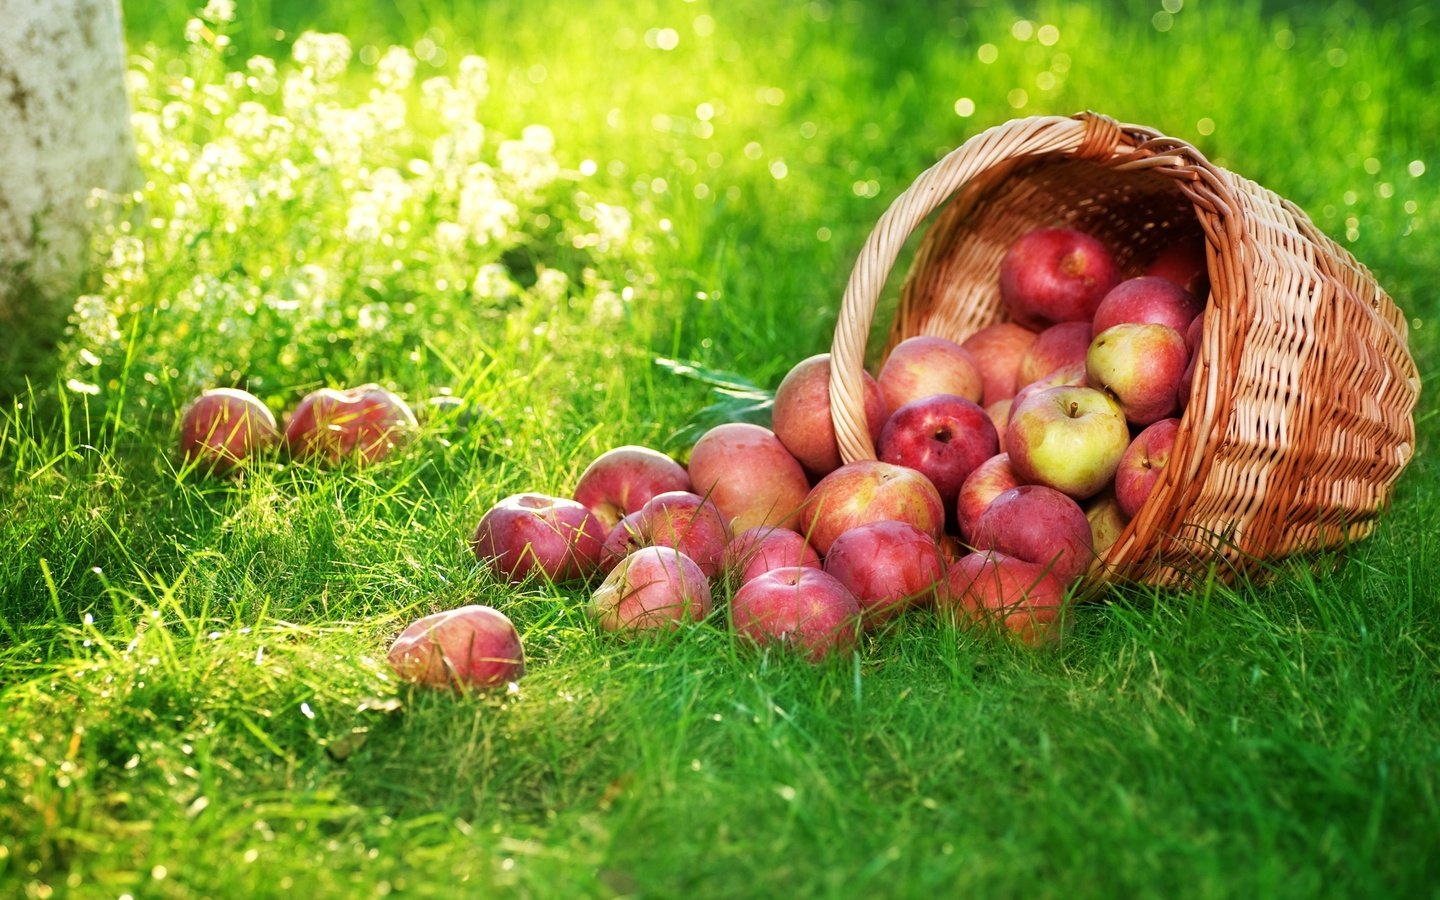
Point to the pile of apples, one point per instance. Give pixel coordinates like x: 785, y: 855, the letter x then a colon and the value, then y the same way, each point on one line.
x: 1008, y: 464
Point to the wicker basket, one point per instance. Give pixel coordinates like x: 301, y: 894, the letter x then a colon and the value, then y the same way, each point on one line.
x: 1301, y: 415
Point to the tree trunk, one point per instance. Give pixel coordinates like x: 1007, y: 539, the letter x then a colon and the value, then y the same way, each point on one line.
x: 64, y: 131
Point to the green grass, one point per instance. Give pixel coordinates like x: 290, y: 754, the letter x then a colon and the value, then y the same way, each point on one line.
x: 192, y: 672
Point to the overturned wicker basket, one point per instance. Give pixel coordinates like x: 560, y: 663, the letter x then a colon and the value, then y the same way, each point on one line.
x: 1301, y: 415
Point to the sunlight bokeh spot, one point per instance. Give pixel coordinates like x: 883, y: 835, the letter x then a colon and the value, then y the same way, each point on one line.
x: 964, y: 107
x: 1416, y: 168
x: 1017, y: 98
x: 1022, y: 29
x: 1048, y: 35
x: 987, y: 53
x: 1206, y: 126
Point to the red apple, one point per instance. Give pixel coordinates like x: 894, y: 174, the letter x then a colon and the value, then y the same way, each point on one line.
x: 801, y: 414
x: 1144, y: 460
x: 363, y: 424
x: 1056, y: 275
x: 1057, y: 347
x: 997, y: 350
x: 888, y: 566
x: 749, y: 475
x: 621, y: 480
x: 943, y: 437
x: 758, y: 550
x: 1147, y: 299
x: 1184, y: 263
x: 800, y: 608
x: 1193, y: 335
x: 472, y: 646
x: 1072, y: 375
x: 924, y: 365
x: 1140, y: 365
x: 224, y: 428
x: 869, y: 491
x: 990, y: 479
x: 526, y: 534
x: 1040, y: 525
x: 652, y: 588
x: 1018, y: 596
x: 1068, y: 438
x: 679, y: 519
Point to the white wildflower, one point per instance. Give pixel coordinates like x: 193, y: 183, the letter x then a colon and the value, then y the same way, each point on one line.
x: 492, y: 282
x: 612, y: 224
x: 396, y: 69
x: 324, y: 55
x: 95, y: 323
x: 550, y: 285
x: 484, y: 211
x: 219, y: 11
x: 527, y: 162
x: 474, y: 76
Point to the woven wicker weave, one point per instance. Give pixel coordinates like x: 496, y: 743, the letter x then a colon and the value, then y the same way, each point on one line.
x: 1302, y: 413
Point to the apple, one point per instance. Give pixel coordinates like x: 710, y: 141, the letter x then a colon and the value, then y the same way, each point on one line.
x: 999, y: 413
x: 797, y: 608
x: 1144, y: 460
x: 623, y: 479
x: 943, y: 437
x: 1107, y: 522
x: 990, y: 479
x: 1147, y: 299
x: 1183, y: 262
x: 224, y: 428
x: 1068, y: 438
x: 679, y: 519
x: 1193, y: 335
x: 749, y: 475
x: 1072, y: 375
x: 997, y: 350
x: 1021, y: 597
x: 1057, y: 347
x: 888, y: 566
x: 363, y: 424
x: 1040, y: 525
x: 758, y: 550
x: 801, y: 414
x: 1141, y: 366
x: 653, y: 588
x: 531, y: 533
x: 472, y: 646
x: 924, y: 365
x: 1056, y: 275
x: 869, y: 490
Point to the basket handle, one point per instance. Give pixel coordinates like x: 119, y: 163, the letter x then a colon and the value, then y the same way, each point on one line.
x: 1087, y: 136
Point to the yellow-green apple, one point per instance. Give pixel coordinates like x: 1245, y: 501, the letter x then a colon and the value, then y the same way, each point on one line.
x: 1140, y: 365
x: 749, y: 475
x: 623, y: 479
x: 471, y: 646
x: 943, y: 437
x: 1020, y: 597
x: 1056, y: 275
x: 1183, y: 262
x: 527, y: 534
x: 997, y: 350
x: 361, y: 424
x: 1040, y: 525
x: 1107, y: 522
x: 1072, y: 375
x: 224, y: 428
x: 888, y: 566
x: 1144, y: 460
x: 990, y: 479
x: 1060, y: 346
x: 653, y: 588
x: 758, y: 550
x: 797, y: 608
x: 801, y: 414
x: 924, y: 365
x: 869, y: 490
x: 1148, y: 298
x: 1068, y: 438
x: 679, y: 519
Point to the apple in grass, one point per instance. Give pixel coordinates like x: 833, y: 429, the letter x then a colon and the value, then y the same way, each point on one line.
x: 1055, y: 275
x: 924, y: 365
x: 943, y: 437
x: 1144, y: 460
x: 654, y: 588
x: 530, y: 533
x: 990, y: 479
x: 888, y: 566
x: 361, y: 424
x: 224, y: 428
x: 1184, y: 263
x: 1060, y: 346
x: 997, y: 350
x: 801, y: 414
x: 1020, y: 597
x: 1069, y: 438
x: 623, y: 479
x: 797, y: 608
x: 749, y: 476
x: 1141, y: 366
x: 472, y: 646
x: 1040, y: 525
x: 869, y: 491
x: 756, y: 551
x: 679, y: 519
x: 1147, y: 298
